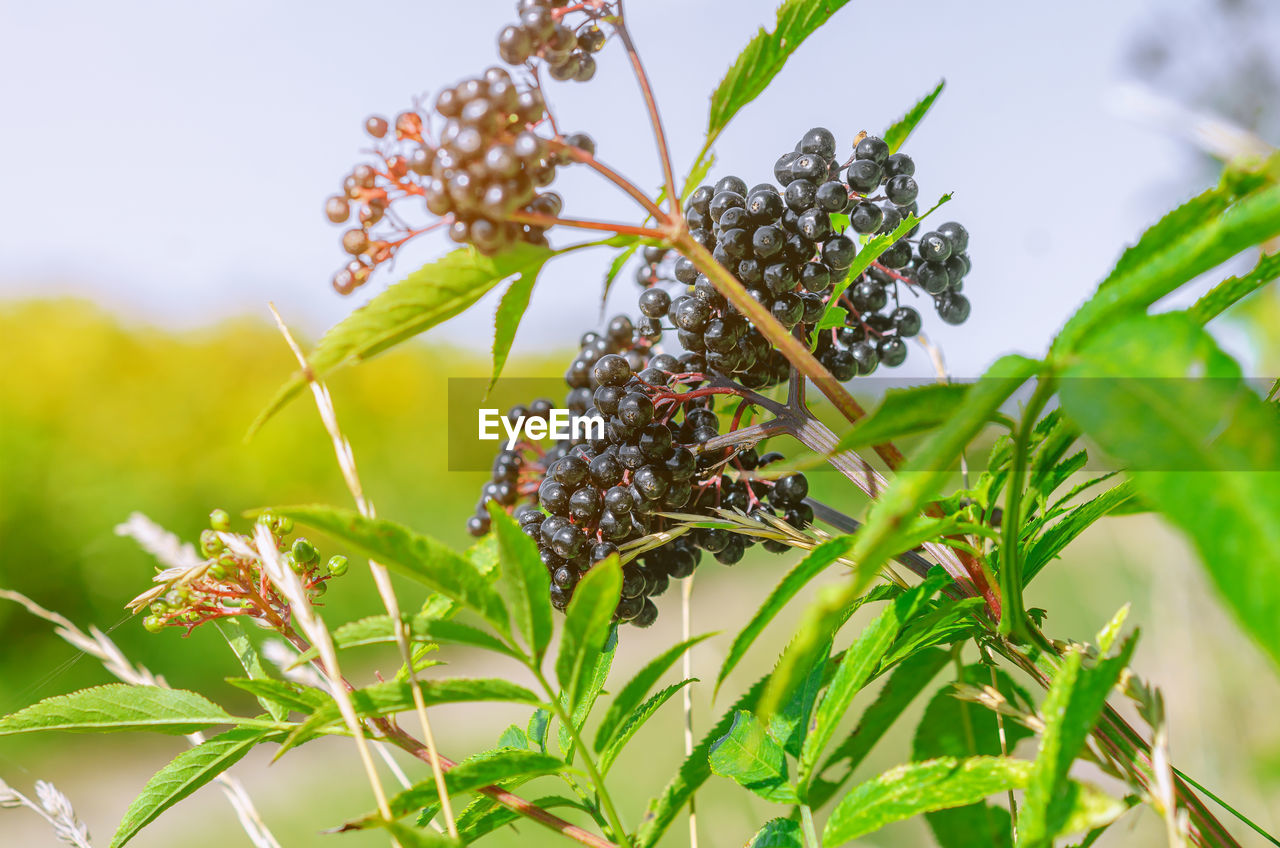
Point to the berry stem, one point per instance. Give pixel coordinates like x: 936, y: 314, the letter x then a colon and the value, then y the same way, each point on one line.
x: 655, y: 118
x: 602, y: 789
x: 604, y: 226
x: 580, y: 155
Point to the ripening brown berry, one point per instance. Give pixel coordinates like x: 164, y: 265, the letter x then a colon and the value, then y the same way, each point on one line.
x: 359, y: 271
x: 364, y: 176
x: 409, y: 125
x: 375, y: 126
x: 397, y: 167
x: 344, y: 282
x: 337, y: 209
x: 355, y: 241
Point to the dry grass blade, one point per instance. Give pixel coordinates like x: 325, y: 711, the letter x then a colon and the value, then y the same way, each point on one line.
x: 54, y: 807
x: 381, y: 578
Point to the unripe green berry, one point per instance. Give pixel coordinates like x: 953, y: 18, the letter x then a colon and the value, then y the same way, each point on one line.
x: 288, y: 559
x: 317, y: 591
x: 217, y: 571
x: 304, y: 551
x: 159, y: 608
x: 220, y: 520
x: 284, y: 526
x: 210, y: 544
x: 153, y: 624
x: 338, y: 565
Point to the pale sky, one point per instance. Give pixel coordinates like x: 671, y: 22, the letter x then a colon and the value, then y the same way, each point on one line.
x: 172, y: 159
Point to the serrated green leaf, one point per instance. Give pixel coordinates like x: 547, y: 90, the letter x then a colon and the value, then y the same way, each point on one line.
x: 1070, y: 711
x: 813, y: 564
x: 472, y: 773
x: 250, y: 661
x: 901, y: 129
x: 596, y: 672
x: 635, y: 720
x: 586, y: 627
x: 392, y: 696
x: 951, y: 727
x: 483, y: 816
x: 859, y: 664
x: 188, y: 771
x: 633, y: 693
x: 905, y: 412
x: 1233, y: 289
x: 777, y: 833
x: 763, y: 57
x: 513, y: 737
x: 902, y: 687
x: 524, y: 581
x: 506, y: 320
x: 120, y: 707
x: 877, y: 541
x: 615, y: 268
x: 411, y: 837
x: 418, y: 557
x: 284, y: 695
x: 1201, y: 234
x: 429, y: 296
x: 423, y: 627
x: 1054, y: 540
x: 1203, y: 448
x: 539, y: 724
x: 749, y: 756
x: 916, y: 788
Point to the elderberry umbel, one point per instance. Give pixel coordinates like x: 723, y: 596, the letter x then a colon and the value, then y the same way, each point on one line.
x: 792, y: 243
x: 580, y: 500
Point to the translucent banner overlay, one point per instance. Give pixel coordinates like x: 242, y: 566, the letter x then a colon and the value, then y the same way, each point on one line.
x: 1162, y: 424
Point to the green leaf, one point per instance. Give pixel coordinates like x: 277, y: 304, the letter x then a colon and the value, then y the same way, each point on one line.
x: 636, y: 720
x: 1051, y: 542
x: 1232, y: 289
x: 748, y: 755
x: 119, y: 707
x: 1201, y: 234
x: 506, y: 320
x: 878, y: 539
x: 905, y: 412
x: 901, y: 129
x: 813, y: 564
x: 1070, y: 711
x: 423, y: 627
x: 418, y: 557
x: 916, y: 788
x: 427, y: 297
x: 250, y: 661
x: 777, y: 833
x: 615, y: 268
x: 412, y: 837
x: 762, y: 59
x: 525, y: 582
x: 693, y: 772
x: 586, y: 627
x: 596, y: 673
x: 957, y: 728
x: 390, y: 697
x: 1204, y: 450
x: 859, y: 664
x: 284, y: 695
x: 187, y: 772
x: 633, y: 693
x: 902, y: 687
x: 513, y: 737
x: 539, y: 724
x: 469, y: 775
x: 483, y: 816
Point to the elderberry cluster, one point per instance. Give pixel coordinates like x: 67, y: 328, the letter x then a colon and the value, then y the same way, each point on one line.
x: 592, y: 495
x: 542, y: 33
x: 480, y: 172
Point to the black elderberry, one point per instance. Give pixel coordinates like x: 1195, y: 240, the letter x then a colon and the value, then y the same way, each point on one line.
x: 934, y: 247
x: 899, y: 163
x: 901, y: 190
x: 810, y: 167
x: 782, y: 168
x: 838, y: 253
x: 906, y: 321
x: 933, y: 277
x: 873, y: 148
x: 801, y: 195
x: 957, y: 235
x: 866, y: 217
x: 953, y: 308
x: 864, y: 175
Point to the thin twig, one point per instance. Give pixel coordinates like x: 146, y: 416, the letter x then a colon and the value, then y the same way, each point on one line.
x: 381, y: 577
x: 655, y: 117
